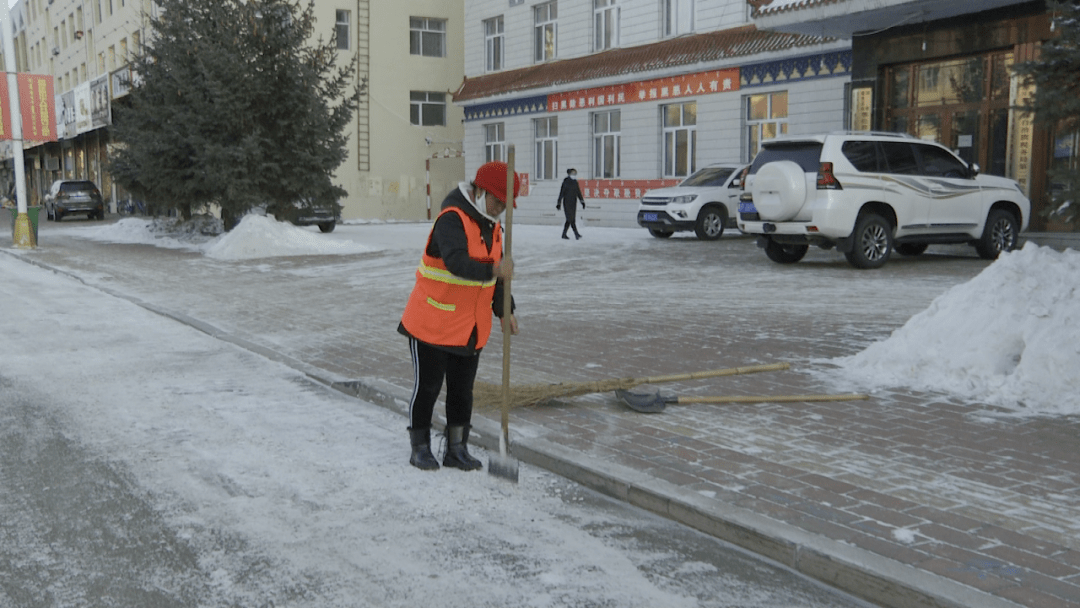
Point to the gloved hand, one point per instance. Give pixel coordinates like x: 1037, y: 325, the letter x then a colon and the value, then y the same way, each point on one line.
x: 582, y: 204
x: 558, y: 205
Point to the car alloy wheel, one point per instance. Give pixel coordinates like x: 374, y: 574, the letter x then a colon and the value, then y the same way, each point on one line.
x: 872, y: 242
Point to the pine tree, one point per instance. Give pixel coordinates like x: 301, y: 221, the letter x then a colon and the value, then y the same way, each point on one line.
x: 1056, y: 104
x: 234, y: 104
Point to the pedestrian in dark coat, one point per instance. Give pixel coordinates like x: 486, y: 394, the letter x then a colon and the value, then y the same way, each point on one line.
x: 569, y: 195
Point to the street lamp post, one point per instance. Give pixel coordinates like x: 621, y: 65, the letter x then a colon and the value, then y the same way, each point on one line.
x: 24, y: 235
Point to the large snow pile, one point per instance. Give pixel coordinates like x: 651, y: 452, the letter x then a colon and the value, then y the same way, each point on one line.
x: 1009, y: 337
x: 257, y: 236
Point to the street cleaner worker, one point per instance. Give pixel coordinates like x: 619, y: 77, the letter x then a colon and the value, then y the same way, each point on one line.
x: 448, y: 316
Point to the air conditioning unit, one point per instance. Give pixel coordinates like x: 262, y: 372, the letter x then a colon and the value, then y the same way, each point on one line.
x: 55, y: 50
x: 78, y: 34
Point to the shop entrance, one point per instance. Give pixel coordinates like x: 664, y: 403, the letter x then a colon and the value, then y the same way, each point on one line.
x: 960, y: 103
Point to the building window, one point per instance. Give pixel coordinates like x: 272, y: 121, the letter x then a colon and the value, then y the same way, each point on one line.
x: 766, y: 117
x: 680, y: 139
x: 606, y: 25
x: 547, y: 146
x: 427, y: 37
x: 493, y: 44
x: 545, y: 31
x: 341, y: 29
x: 427, y: 108
x: 494, y: 142
x: 607, y: 141
x: 677, y: 17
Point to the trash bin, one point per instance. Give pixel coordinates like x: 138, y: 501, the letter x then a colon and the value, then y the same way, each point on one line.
x: 31, y: 214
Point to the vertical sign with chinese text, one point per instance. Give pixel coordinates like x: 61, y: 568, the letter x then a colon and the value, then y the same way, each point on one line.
x: 36, y: 100
x: 5, y: 120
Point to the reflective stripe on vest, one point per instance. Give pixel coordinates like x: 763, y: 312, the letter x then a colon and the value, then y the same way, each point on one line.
x: 444, y: 309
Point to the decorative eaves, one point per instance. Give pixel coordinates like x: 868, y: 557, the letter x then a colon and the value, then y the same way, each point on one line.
x: 682, y: 51
x: 774, y: 7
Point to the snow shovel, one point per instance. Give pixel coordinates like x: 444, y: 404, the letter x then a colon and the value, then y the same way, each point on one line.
x: 503, y: 464
x: 652, y: 402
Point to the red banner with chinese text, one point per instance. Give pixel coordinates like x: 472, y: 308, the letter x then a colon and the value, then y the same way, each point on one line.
x: 5, y: 109
x: 622, y: 188
x: 38, y: 105
x: 674, y: 87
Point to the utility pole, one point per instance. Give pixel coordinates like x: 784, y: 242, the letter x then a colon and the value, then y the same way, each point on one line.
x: 24, y: 235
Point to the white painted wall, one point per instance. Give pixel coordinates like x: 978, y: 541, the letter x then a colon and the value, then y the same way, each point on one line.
x: 814, y: 105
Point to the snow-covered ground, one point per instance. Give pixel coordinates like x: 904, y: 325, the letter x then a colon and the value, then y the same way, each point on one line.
x: 222, y: 478
x: 1009, y: 337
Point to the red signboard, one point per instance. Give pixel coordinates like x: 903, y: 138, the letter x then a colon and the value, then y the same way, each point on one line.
x: 5, y: 109
x: 37, y: 103
x: 674, y: 87
x: 622, y: 188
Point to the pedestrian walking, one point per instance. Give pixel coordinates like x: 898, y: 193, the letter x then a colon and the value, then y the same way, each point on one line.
x: 569, y: 195
x: 448, y: 316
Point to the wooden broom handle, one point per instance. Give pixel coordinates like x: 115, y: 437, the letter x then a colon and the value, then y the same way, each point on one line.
x: 506, y: 303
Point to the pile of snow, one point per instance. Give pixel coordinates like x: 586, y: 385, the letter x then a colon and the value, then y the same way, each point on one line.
x: 260, y: 237
x: 165, y: 233
x: 254, y: 237
x: 1009, y: 337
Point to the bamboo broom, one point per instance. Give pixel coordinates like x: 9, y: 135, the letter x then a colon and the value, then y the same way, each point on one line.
x: 487, y: 396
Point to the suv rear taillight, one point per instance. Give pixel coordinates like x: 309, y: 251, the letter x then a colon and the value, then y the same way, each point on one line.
x: 825, y: 178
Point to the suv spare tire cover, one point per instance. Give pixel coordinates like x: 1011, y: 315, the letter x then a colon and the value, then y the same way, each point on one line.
x: 779, y: 190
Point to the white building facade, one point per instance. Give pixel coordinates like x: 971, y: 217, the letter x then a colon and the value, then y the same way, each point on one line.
x: 635, y: 94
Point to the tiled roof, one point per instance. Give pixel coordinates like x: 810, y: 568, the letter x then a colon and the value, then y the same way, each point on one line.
x: 684, y: 50
x: 772, y: 7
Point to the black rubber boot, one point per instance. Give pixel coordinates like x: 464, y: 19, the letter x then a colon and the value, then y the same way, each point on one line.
x: 457, y: 454
x: 422, y: 458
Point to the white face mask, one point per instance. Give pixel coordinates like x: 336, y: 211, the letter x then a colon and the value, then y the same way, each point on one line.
x: 573, y: 176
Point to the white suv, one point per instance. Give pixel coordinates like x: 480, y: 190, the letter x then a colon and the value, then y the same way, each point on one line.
x: 705, y: 202
x: 867, y: 193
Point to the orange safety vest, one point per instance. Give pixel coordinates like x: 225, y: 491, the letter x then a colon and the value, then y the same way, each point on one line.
x: 444, y: 308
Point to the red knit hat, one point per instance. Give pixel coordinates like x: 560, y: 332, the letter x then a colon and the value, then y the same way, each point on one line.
x: 492, y: 177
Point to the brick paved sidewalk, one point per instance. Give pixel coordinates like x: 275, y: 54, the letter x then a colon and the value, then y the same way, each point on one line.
x: 907, y: 499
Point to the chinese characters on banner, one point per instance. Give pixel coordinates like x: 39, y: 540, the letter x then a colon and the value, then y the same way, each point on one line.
x: 701, y: 83
x: 622, y: 188
x: 37, y: 105
x: 5, y: 110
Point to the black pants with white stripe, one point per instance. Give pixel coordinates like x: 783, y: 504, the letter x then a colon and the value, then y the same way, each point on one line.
x: 430, y: 367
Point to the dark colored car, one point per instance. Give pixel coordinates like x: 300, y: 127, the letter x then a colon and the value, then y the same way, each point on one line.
x: 68, y: 196
x: 307, y: 213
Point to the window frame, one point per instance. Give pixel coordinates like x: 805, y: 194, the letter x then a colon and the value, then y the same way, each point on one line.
x: 755, y: 128
x: 672, y: 20
x: 494, y: 44
x: 542, y: 51
x: 605, y: 24
x: 600, y: 138
x: 342, y: 29
x: 546, y: 147
x: 494, y: 148
x: 417, y: 107
x: 418, y: 36
x: 670, y: 140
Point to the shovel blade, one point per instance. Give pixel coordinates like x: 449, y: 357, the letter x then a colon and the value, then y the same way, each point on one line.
x: 504, y: 466
x: 642, y: 400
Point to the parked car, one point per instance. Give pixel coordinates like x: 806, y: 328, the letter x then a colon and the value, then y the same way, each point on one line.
x: 308, y: 213
x: 869, y: 193
x: 705, y: 202
x: 68, y: 196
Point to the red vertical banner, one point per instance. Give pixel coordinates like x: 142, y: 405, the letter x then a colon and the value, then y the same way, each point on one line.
x: 5, y: 109
x: 38, y: 107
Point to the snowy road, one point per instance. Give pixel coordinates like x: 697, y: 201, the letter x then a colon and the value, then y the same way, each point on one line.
x: 143, y: 463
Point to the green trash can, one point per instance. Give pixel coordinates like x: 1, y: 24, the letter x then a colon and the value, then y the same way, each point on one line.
x: 32, y: 214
